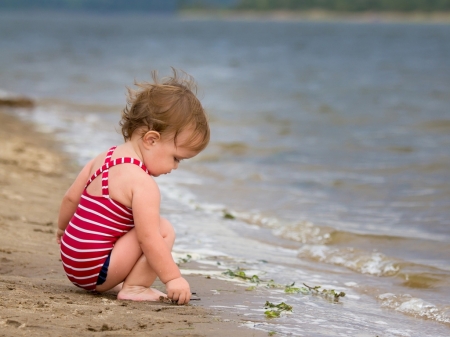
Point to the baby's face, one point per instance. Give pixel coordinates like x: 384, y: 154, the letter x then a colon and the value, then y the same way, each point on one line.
x: 164, y: 155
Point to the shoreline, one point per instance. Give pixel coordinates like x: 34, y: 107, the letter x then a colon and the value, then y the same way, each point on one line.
x: 37, y: 298
x: 319, y: 16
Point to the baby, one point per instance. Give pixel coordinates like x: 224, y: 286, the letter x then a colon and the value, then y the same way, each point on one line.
x: 109, y: 227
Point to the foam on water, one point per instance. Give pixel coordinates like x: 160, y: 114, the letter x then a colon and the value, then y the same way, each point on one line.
x: 416, y: 307
x: 374, y: 263
x: 82, y: 134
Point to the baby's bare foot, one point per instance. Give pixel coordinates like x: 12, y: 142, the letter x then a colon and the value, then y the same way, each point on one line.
x: 139, y: 293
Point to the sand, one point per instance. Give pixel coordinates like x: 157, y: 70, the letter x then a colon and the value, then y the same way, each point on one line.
x: 36, y: 299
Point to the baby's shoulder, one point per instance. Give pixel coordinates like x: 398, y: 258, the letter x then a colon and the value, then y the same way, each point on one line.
x: 127, y: 181
x: 133, y: 173
x: 134, y: 181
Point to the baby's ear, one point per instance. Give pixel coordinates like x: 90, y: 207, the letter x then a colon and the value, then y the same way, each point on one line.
x: 151, y: 138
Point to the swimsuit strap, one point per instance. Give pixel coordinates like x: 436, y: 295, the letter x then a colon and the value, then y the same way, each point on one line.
x: 104, y: 170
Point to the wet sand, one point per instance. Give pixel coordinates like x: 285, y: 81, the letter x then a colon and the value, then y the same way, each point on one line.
x: 36, y: 298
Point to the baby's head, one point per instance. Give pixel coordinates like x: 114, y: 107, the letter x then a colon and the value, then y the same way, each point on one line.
x: 167, y: 106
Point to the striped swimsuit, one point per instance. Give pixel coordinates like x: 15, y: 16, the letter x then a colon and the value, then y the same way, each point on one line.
x: 97, y: 224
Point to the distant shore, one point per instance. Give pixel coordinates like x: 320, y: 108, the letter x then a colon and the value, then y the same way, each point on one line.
x: 321, y: 16
x: 282, y: 15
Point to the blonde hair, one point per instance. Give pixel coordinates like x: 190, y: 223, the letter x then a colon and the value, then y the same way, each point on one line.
x: 167, y: 106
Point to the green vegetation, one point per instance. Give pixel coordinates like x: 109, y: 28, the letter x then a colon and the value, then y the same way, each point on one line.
x: 328, y: 294
x: 186, y: 259
x: 275, y: 310
x: 240, y: 273
x: 347, y: 5
x: 227, y: 215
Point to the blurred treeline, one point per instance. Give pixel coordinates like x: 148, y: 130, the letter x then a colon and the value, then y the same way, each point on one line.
x: 347, y: 5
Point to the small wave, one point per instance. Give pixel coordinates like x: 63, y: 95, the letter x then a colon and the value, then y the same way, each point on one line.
x: 415, y: 307
x: 257, y: 219
x: 357, y: 260
x: 324, y: 244
x: 423, y: 277
x: 305, y: 232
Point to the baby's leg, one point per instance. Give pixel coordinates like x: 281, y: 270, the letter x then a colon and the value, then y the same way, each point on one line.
x: 128, y: 264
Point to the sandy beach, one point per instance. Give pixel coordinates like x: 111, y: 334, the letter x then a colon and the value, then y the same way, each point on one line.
x: 36, y: 299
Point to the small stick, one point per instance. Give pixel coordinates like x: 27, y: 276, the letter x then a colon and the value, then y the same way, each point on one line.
x: 168, y: 300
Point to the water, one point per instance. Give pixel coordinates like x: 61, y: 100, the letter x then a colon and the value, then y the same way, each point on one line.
x: 330, y: 149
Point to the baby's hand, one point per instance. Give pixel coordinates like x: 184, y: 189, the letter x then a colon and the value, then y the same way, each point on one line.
x: 178, y: 290
x: 59, y: 234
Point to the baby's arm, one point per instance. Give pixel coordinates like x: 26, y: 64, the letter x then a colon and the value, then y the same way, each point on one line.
x: 71, y: 199
x: 145, y: 205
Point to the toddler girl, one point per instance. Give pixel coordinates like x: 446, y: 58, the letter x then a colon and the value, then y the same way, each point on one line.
x: 109, y: 227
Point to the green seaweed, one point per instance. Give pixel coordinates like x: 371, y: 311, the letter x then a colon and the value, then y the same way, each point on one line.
x: 275, y: 310
x: 227, y: 215
x: 271, y: 284
x: 328, y: 294
x: 290, y: 289
x: 184, y: 259
x: 240, y: 273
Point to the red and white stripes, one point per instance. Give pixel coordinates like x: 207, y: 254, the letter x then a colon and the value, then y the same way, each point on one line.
x: 96, y: 225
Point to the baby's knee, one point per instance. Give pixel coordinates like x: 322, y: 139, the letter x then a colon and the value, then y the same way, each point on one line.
x: 166, y: 229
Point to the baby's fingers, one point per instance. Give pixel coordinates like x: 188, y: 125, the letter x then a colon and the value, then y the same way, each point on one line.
x: 174, y: 296
x: 184, y: 298
x: 178, y: 290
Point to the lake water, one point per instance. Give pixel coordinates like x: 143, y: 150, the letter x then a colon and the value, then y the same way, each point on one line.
x: 330, y: 151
